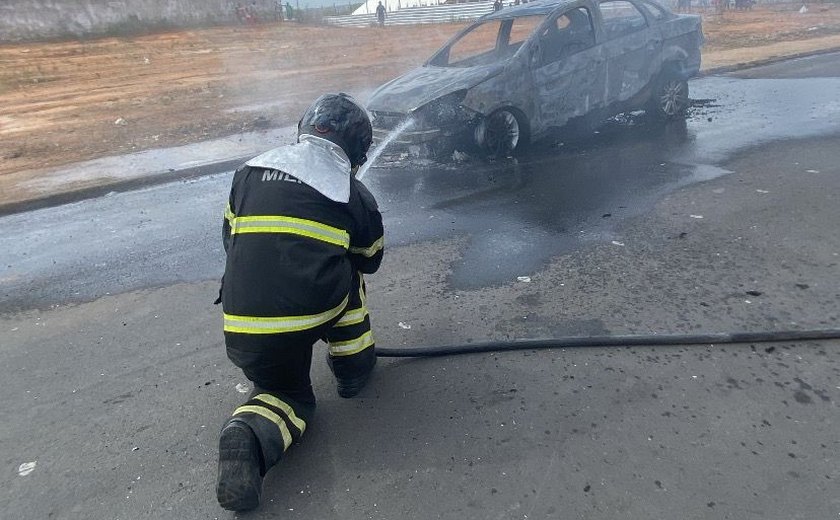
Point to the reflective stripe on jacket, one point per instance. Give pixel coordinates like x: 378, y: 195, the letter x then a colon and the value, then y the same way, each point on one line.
x: 291, y: 225
x: 280, y: 324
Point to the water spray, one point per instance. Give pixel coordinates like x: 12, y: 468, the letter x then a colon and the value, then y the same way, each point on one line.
x: 384, y: 144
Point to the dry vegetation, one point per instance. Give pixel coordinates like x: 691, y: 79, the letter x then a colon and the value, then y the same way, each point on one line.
x: 70, y: 101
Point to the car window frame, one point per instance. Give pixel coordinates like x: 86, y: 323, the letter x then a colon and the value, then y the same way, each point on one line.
x: 552, y: 18
x: 649, y: 8
x: 442, y: 57
x: 530, y: 37
x: 605, y: 35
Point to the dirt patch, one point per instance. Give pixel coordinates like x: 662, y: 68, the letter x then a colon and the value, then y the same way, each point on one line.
x: 77, y: 100
x: 70, y: 101
x: 759, y: 27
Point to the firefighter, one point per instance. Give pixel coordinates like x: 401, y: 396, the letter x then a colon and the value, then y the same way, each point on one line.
x: 300, y: 231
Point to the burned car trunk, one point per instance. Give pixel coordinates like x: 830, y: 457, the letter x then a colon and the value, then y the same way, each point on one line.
x: 517, y: 74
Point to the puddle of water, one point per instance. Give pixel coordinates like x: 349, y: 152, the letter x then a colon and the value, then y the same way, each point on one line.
x: 751, y: 112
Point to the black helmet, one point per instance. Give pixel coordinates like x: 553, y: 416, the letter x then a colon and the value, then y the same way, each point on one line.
x: 338, y: 118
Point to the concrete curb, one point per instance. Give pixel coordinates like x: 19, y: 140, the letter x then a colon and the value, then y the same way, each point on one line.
x: 58, y: 199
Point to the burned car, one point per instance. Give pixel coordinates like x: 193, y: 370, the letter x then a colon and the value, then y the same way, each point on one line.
x: 516, y: 74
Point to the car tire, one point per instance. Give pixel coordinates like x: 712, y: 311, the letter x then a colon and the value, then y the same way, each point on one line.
x: 503, y: 133
x: 669, y: 99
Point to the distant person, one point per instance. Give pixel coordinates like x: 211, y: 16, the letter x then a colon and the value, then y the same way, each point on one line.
x: 241, y: 13
x: 249, y: 15
x: 497, y: 5
x: 252, y: 12
x: 278, y: 10
x: 289, y: 11
x: 380, y: 14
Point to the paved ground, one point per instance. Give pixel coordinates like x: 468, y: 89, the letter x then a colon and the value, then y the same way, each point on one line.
x: 725, y: 224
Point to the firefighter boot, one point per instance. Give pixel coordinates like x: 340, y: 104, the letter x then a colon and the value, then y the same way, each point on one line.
x: 349, y: 381
x: 240, y: 476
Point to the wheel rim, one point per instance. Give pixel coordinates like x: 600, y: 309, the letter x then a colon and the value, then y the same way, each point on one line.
x: 674, y: 98
x: 502, y: 133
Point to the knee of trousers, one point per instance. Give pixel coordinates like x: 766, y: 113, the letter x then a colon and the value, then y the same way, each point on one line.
x: 279, y: 363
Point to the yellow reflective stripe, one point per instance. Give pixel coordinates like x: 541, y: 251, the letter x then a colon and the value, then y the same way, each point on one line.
x: 229, y: 216
x: 353, y: 346
x: 277, y: 403
x: 278, y: 325
x: 292, y: 225
x: 352, y: 317
x: 370, y: 251
x: 271, y: 416
x: 362, y: 294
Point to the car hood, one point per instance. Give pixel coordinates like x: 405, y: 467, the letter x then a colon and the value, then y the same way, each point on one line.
x: 424, y: 84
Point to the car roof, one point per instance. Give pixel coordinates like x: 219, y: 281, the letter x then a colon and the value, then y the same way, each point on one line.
x: 539, y: 7
x: 535, y: 7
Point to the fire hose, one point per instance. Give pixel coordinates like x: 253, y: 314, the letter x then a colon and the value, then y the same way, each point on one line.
x: 611, y: 341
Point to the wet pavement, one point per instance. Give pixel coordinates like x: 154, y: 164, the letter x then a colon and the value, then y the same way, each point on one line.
x: 820, y: 66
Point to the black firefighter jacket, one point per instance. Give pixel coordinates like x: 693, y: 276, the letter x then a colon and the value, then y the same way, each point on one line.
x: 292, y: 252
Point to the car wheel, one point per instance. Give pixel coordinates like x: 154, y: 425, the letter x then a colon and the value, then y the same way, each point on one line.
x: 669, y: 99
x: 503, y: 133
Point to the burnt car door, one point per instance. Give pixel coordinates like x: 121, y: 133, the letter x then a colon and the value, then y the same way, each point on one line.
x: 567, y: 67
x: 632, y: 49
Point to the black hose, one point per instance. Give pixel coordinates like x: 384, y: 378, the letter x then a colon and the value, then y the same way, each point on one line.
x: 611, y: 341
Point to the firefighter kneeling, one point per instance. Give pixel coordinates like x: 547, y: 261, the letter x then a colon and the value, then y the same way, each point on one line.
x: 299, y: 232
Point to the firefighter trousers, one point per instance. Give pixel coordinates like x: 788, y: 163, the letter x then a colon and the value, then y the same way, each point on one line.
x: 282, y: 402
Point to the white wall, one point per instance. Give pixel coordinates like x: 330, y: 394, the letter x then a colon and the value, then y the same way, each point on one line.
x: 37, y: 19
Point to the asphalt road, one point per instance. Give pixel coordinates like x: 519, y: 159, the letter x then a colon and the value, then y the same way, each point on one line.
x: 116, y: 379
